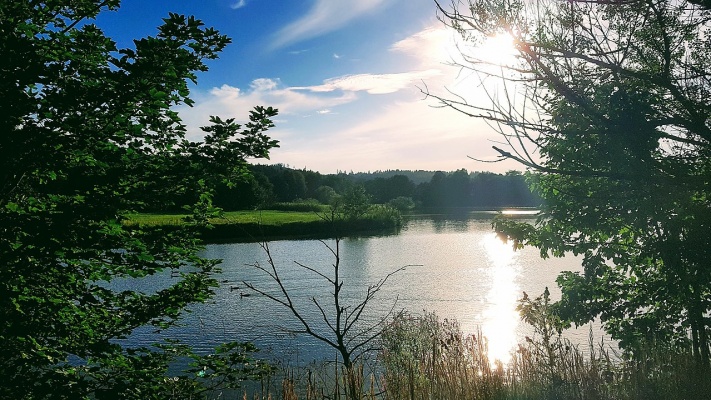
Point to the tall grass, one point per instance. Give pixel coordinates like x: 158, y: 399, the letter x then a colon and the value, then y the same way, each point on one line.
x: 424, y: 358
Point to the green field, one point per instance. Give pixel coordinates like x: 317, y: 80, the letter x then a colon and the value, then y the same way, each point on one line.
x: 272, y: 224
x: 262, y: 217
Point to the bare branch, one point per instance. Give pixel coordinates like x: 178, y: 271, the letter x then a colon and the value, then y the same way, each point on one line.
x: 341, y: 321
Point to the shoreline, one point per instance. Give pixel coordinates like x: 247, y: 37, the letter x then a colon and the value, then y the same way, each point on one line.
x: 270, y: 225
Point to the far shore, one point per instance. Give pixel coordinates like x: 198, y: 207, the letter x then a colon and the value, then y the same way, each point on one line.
x: 269, y: 225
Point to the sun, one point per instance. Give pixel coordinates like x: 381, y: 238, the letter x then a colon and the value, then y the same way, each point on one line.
x: 496, y: 50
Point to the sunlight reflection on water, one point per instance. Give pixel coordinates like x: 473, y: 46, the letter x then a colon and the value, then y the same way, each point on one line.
x: 500, y: 318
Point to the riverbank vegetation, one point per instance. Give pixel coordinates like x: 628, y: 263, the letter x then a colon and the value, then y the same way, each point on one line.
x: 368, y: 202
x: 348, y: 214
x: 423, y: 357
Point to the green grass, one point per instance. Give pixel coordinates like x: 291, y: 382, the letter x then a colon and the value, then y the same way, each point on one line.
x: 262, y: 217
x: 251, y: 226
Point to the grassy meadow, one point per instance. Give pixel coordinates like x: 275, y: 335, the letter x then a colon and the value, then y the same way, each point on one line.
x: 264, y: 217
x: 290, y: 221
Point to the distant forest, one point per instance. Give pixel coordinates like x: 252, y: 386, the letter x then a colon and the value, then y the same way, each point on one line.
x: 271, y: 184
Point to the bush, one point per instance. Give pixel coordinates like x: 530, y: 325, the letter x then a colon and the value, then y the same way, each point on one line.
x: 402, y: 203
x: 386, y: 216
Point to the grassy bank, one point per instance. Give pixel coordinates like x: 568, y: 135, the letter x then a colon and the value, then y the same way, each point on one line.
x: 275, y: 224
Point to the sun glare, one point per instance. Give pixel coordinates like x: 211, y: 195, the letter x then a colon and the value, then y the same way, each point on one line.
x: 500, y: 318
x: 485, y: 62
x: 497, y: 50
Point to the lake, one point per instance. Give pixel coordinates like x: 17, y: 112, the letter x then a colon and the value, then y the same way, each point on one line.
x: 456, y: 268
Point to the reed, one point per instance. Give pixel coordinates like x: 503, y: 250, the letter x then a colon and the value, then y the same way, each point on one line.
x: 424, y: 358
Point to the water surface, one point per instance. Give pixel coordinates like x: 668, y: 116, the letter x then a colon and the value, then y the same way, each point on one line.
x: 456, y: 268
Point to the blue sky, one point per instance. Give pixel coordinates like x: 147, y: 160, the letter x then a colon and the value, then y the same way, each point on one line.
x: 345, y: 76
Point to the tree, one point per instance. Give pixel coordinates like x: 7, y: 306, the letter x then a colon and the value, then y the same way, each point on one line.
x: 350, y: 205
x: 255, y: 191
x: 402, y: 203
x: 88, y: 134
x: 451, y: 189
x: 457, y: 189
x: 325, y: 194
x: 344, y: 326
x: 612, y: 117
x: 289, y: 185
x: 432, y: 192
x: 385, y: 189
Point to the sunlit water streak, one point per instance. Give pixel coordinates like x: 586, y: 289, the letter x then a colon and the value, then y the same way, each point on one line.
x: 500, y: 319
x: 464, y: 273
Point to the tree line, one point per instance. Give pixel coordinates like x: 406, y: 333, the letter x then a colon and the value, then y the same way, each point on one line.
x: 270, y: 184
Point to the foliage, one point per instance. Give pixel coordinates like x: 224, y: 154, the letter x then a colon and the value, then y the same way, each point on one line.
x: 615, y: 121
x: 385, y: 215
x: 385, y: 189
x: 325, y: 194
x: 89, y: 135
x: 402, y: 203
x: 354, y: 203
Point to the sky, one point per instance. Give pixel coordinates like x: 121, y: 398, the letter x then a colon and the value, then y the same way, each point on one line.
x: 347, y: 78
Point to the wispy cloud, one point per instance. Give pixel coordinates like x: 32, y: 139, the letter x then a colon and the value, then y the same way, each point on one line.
x: 403, y: 135
x: 325, y: 16
x: 373, y: 83
x: 238, y: 4
x: 432, y: 47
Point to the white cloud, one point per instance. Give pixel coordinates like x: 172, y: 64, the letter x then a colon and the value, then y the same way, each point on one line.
x: 238, y: 4
x: 226, y: 92
x: 264, y: 84
x: 229, y: 101
x: 373, y: 83
x: 336, y: 56
x: 323, y: 17
x: 267, y: 92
